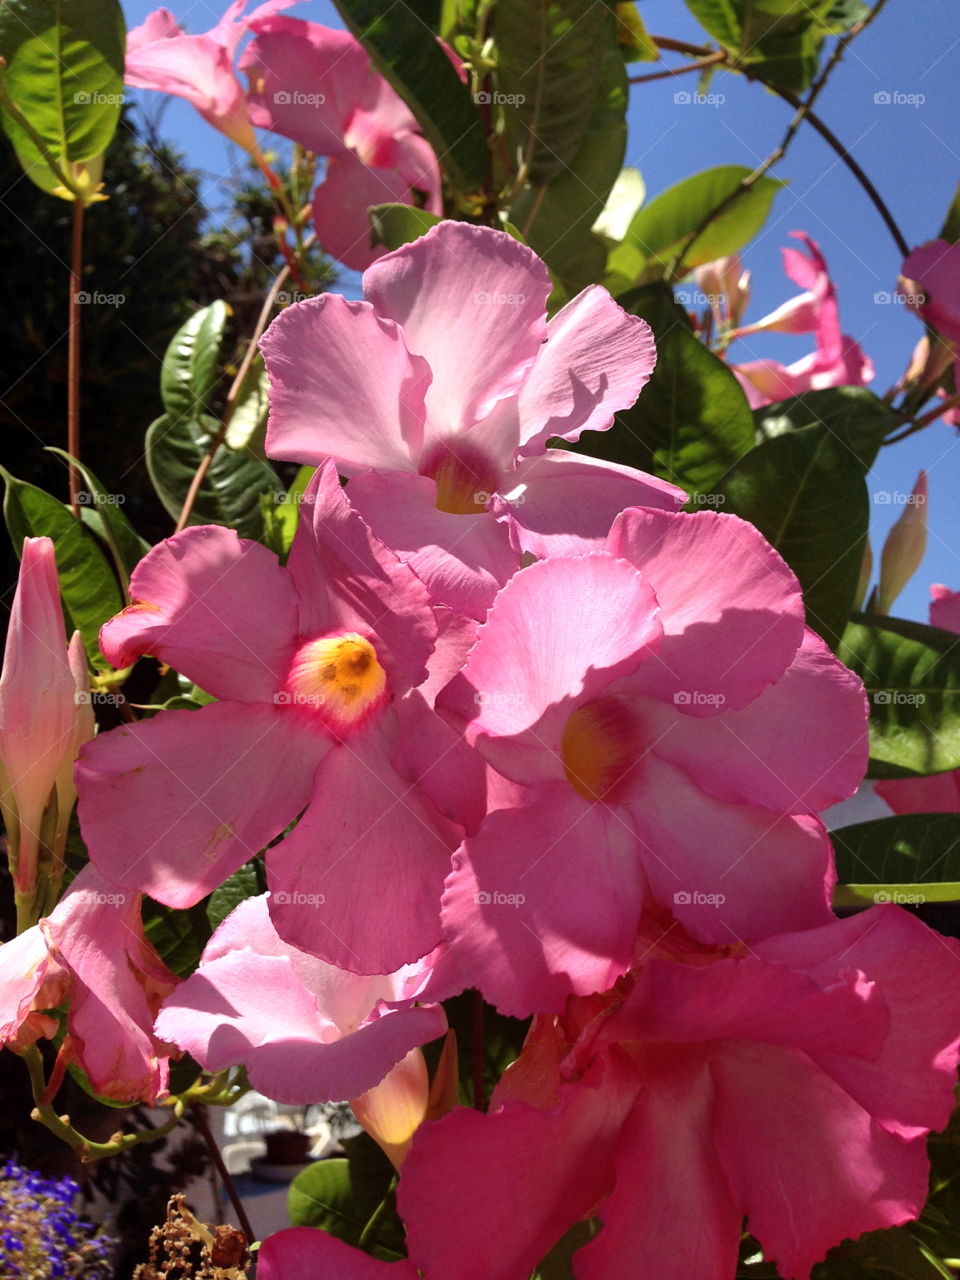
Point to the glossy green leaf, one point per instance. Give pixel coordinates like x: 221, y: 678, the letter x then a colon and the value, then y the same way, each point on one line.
x: 807, y: 495
x: 692, y: 421
x: 910, y: 858
x: 178, y: 936
x: 230, y: 494
x: 246, y: 882
x: 189, y: 374
x: 248, y: 422
x: 912, y: 677
x: 661, y: 229
x: 405, y: 49
x: 556, y: 218
x: 398, y: 224
x: 103, y: 512
x: 281, y: 513
x: 856, y: 417
x: 340, y: 1196
x: 65, y: 76
x: 779, y: 40
x: 90, y: 590
x: 635, y: 41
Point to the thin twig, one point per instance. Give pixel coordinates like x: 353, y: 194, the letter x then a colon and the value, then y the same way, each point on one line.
x: 710, y: 60
x: 73, y: 354
x: 952, y: 402
x: 228, y: 1183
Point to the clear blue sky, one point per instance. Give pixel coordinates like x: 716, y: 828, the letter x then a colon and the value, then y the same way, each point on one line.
x: 912, y: 153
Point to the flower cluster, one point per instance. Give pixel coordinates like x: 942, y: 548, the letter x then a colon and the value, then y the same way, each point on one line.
x: 43, y: 1234
x: 507, y: 718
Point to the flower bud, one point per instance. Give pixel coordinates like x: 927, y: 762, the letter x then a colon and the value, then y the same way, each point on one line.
x: 904, y: 548
x: 392, y: 1111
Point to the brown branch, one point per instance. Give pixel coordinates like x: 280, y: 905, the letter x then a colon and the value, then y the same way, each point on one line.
x: 710, y: 60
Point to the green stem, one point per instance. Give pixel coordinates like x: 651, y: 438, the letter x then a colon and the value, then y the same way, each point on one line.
x: 73, y: 355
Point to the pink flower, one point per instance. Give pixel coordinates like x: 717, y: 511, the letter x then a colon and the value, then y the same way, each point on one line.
x: 940, y: 792
x: 792, y: 1082
x: 317, y: 86
x: 304, y: 1253
x: 91, y: 948
x: 639, y: 695
x: 45, y: 717
x: 837, y: 361
x: 160, y: 55
x: 935, y: 267
x: 305, y: 1031
x: 315, y: 668
x: 437, y: 396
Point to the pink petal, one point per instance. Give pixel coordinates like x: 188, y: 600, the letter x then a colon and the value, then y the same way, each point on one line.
x: 729, y: 871
x: 456, y: 636
x: 561, y: 503
x: 160, y: 24
x: 306, y: 81
x: 540, y: 653
x: 449, y: 773
x: 472, y: 302
x: 545, y: 901
x: 940, y: 793
x: 323, y: 401
x: 731, y: 608
x: 306, y: 1253
x: 935, y: 266
x: 118, y: 979
x: 341, y: 204
x: 463, y: 559
x: 348, y: 580
x: 191, y: 608
x: 908, y: 1087
x: 945, y: 608
x: 174, y: 805
x: 358, y: 881
x: 671, y: 1213
x: 822, y: 1170
x: 24, y: 962
x: 742, y: 757
x: 474, y: 1215
x: 596, y: 360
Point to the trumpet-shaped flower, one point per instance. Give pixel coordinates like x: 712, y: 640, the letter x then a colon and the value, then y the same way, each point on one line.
x: 305, y: 1253
x: 305, y: 1030
x: 837, y: 360
x: 161, y: 56
x: 314, y: 667
x: 639, y: 695
x: 91, y: 947
x: 45, y: 716
x: 437, y: 395
x: 792, y: 1083
x: 318, y: 87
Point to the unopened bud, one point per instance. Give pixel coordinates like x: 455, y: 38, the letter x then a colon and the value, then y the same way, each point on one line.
x: 393, y: 1111
x: 905, y: 547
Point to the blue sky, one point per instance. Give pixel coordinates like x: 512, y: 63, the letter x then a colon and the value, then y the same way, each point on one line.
x: 910, y: 149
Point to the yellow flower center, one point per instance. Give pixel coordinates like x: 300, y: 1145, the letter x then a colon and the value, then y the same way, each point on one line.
x: 601, y: 747
x: 339, y: 677
x: 464, y: 475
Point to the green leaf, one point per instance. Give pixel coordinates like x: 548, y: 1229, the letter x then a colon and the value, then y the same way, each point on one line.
x: 244, y: 883
x: 692, y: 421
x: 398, y: 224
x: 556, y: 218
x: 247, y: 426
x: 661, y: 228
x: 178, y: 936
x: 103, y: 512
x: 855, y: 417
x: 806, y: 493
x: 65, y: 76
x: 281, y: 514
x: 189, y: 373
x: 91, y: 593
x: 910, y: 858
x: 406, y: 51
x: 635, y: 41
x: 341, y: 1196
x: 779, y: 40
x: 230, y: 494
x: 912, y: 677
